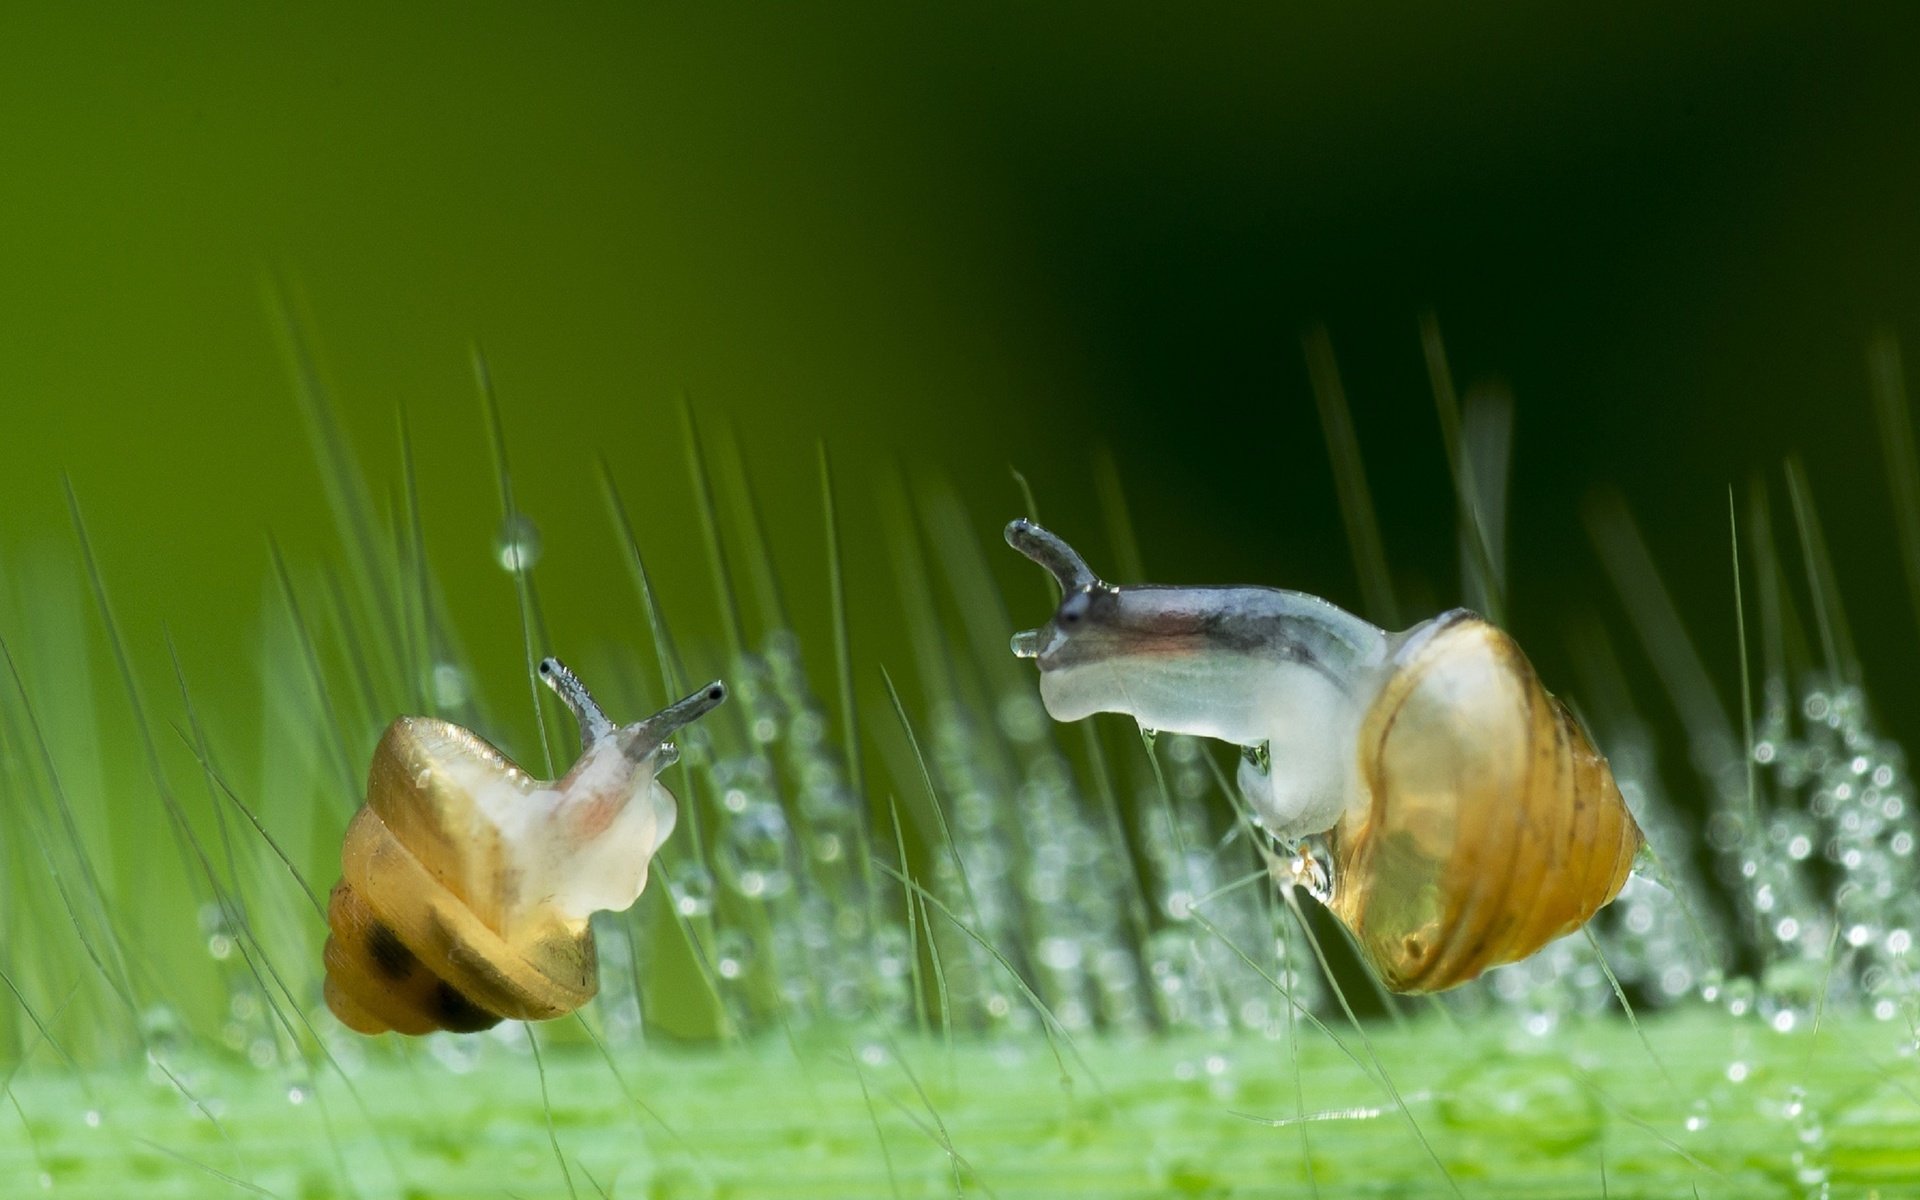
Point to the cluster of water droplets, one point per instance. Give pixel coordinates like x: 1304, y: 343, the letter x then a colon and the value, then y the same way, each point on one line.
x: 1833, y: 887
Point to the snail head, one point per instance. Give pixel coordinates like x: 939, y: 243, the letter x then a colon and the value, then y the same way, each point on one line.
x: 1081, y: 593
x: 641, y: 740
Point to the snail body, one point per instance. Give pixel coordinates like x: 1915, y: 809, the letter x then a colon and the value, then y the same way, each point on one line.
x: 467, y: 884
x: 1468, y: 817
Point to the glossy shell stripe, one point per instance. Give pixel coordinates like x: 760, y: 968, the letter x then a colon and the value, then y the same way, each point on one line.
x: 407, y: 948
x: 1492, y: 826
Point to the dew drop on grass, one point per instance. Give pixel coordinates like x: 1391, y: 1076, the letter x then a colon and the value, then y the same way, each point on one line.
x: 517, y: 546
x: 449, y: 685
x: 693, y: 891
x: 732, y: 953
x: 753, y: 857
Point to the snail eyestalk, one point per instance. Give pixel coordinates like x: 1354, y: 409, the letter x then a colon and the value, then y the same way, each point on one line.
x: 594, y: 724
x: 643, y: 738
x: 1060, y: 559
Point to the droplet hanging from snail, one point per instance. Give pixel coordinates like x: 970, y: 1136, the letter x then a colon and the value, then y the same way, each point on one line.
x: 1468, y: 816
x: 466, y: 884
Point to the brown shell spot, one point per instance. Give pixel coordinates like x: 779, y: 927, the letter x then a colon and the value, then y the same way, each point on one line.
x: 388, y: 952
x: 458, y: 1013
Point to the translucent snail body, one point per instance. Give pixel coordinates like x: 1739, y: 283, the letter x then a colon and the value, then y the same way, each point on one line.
x: 466, y: 884
x: 1468, y: 816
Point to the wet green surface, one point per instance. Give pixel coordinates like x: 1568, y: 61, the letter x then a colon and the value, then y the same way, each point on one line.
x: 1731, y: 1109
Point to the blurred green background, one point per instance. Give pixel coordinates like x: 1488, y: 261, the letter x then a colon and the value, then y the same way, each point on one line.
x: 951, y: 243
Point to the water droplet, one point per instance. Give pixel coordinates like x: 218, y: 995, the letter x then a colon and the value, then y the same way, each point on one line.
x: 693, y: 892
x: 732, y: 953
x: 296, y: 1095
x: 1060, y: 953
x: 517, y: 545
x: 449, y: 685
x: 93, y: 1118
x: 1737, y: 1072
x: 753, y: 854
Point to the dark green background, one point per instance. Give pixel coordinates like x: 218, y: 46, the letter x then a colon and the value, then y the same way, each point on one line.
x: 956, y: 241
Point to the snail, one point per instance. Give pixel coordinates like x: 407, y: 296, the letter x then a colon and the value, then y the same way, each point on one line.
x: 1467, y: 816
x: 467, y: 884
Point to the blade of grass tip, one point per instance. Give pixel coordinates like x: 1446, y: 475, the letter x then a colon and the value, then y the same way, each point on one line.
x: 198, y: 740
x: 1350, y: 478
x: 1380, y: 1070
x: 1893, y: 411
x: 1113, y: 506
x: 192, y: 852
x: 913, y: 922
x: 843, y: 672
x: 346, y: 488
x: 672, y: 673
x: 316, y: 678
x: 1487, y: 453
x: 751, y: 523
x: 1027, y: 504
x: 420, y: 593
x: 1056, y: 1033
x: 513, y: 553
x: 1746, y: 675
x: 1620, y: 994
x: 150, y: 755
x: 231, y: 899
x: 873, y: 1115
x: 952, y: 537
x: 1769, y: 587
x: 1672, y: 651
x: 546, y: 1104
x: 919, y: 612
x: 1476, y: 545
x: 933, y: 798
x: 202, y: 754
x: 1830, y: 618
x: 352, y: 649
x: 710, y: 532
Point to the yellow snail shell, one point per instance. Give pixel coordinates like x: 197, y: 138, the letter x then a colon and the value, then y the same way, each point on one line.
x: 1469, y: 817
x: 466, y: 884
x: 1492, y: 825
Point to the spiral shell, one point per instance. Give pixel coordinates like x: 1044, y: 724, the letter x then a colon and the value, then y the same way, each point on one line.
x: 1491, y: 825
x: 416, y: 919
x: 467, y: 885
